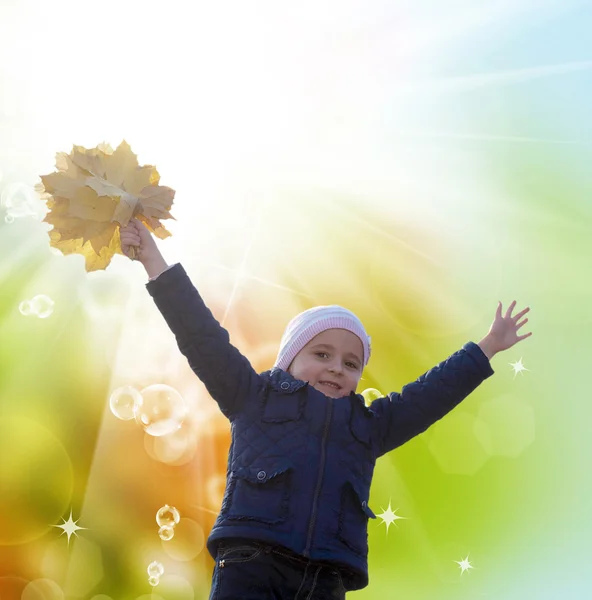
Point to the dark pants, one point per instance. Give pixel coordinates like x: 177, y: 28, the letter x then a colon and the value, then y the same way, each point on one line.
x: 249, y: 570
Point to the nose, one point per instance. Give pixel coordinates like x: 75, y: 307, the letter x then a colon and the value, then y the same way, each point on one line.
x: 335, y: 367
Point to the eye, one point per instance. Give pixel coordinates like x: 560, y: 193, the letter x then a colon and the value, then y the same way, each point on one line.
x: 319, y: 353
x: 353, y: 365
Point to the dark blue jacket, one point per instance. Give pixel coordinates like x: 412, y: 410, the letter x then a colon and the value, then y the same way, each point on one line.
x: 300, y: 463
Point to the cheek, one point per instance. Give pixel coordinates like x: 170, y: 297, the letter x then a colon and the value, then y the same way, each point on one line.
x: 296, y: 371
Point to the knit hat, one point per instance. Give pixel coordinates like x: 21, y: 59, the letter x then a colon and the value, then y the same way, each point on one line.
x: 308, y: 324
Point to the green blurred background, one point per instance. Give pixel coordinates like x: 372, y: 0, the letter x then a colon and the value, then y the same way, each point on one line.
x: 415, y: 162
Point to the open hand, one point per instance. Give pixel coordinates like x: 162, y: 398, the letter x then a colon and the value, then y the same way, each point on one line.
x: 503, y: 333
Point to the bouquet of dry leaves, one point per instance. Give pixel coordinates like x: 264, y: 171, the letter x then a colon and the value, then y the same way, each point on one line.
x: 96, y: 191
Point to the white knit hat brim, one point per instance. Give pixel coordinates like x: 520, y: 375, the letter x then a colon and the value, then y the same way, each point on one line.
x: 308, y: 324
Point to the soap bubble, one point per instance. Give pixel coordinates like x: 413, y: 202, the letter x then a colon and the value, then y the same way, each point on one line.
x: 42, y: 306
x: 176, y: 448
x: 161, y: 409
x: 188, y: 542
x: 25, y: 308
x: 42, y: 589
x: 123, y: 402
x: 103, y: 295
x: 154, y: 581
x: 371, y: 394
x: 166, y: 533
x: 20, y: 200
x: 167, y: 516
x: 215, y: 488
x: 155, y: 569
x: 9, y: 218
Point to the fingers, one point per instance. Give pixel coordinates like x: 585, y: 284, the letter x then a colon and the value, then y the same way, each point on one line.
x: 130, y: 231
x: 510, y: 309
x: 518, y: 325
x: 521, y: 313
x: 133, y: 225
x: 130, y: 238
x: 129, y: 228
x: 508, y: 314
x: 139, y: 225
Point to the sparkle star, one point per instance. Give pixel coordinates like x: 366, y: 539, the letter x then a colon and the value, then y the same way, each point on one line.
x: 389, y: 517
x: 518, y: 367
x: 69, y: 527
x: 464, y: 564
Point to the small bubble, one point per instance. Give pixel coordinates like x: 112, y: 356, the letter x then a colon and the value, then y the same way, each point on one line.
x: 166, y: 533
x: 161, y: 410
x: 370, y: 395
x: 215, y: 487
x: 167, y: 516
x: 189, y: 541
x: 9, y: 218
x: 45, y: 589
x: 25, y: 308
x: 154, y: 581
x: 123, y: 402
x: 42, y: 306
x: 20, y: 200
x: 155, y: 569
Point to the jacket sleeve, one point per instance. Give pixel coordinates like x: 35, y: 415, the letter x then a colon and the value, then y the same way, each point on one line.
x: 226, y: 373
x: 402, y: 416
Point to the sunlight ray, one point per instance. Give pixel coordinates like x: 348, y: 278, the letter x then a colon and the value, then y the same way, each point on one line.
x: 497, y: 78
x: 488, y: 137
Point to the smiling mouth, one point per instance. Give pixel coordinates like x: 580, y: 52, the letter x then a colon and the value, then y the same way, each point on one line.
x: 331, y: 385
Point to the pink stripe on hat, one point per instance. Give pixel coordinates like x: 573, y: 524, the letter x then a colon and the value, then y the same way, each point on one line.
x: 308, y: 324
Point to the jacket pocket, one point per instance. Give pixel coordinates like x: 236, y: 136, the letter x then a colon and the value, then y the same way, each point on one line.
x: 353, y: 518
x: 260, y: 492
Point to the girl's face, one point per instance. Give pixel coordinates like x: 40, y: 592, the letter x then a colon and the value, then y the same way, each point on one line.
x: 331, y: 362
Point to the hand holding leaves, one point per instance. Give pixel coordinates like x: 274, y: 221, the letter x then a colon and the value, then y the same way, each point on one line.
x: 94, y: 193
x: 136, y: 235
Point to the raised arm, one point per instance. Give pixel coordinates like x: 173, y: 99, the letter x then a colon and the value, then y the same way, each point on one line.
x: 402, y: 416
x: 226, y: 373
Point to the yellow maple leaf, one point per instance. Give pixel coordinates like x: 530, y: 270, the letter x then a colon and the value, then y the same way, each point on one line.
x: 96, y: 191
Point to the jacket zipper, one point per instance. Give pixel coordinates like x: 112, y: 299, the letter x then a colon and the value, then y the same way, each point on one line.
x: 315, y: 501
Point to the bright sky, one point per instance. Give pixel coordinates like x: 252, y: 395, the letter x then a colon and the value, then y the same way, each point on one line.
x: 231, y: 98
x: 217, y: 84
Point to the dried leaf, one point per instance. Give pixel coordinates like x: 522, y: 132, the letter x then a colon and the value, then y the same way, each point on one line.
x: 89, y: 160
x: 127, y: 206
x: 120, y: 165
x: 94, y: 192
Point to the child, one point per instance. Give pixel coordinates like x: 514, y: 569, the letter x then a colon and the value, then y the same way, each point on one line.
x: 293, y: 522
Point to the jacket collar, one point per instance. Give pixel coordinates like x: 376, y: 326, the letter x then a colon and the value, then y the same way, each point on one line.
x: 282, y: 381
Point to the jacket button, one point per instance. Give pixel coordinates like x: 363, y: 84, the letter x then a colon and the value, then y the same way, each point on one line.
x: 364, y: 504
x: 285, y: 385
x: 261, y: 475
